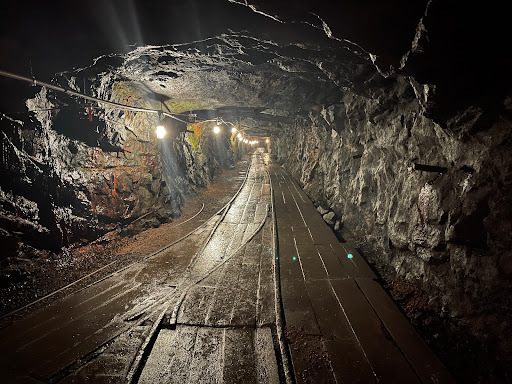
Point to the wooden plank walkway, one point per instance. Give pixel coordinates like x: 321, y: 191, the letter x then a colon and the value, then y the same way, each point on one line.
x: 330, y: 295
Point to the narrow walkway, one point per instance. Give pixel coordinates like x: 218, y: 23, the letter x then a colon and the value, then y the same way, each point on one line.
x: 341, y: 325
x: 204, y: 309
x: 224, y: 326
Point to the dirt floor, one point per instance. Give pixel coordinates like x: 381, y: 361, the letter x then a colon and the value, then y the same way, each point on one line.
x: 47, y: 272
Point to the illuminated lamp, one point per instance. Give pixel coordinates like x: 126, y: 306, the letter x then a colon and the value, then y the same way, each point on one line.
x: 160, y: 131
x: 216, y: 130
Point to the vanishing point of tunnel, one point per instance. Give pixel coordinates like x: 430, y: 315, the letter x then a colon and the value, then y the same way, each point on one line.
x: 224, y: 191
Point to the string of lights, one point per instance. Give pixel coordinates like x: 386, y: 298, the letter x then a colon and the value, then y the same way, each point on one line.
x: 160, y: 130
x: 70, y: 92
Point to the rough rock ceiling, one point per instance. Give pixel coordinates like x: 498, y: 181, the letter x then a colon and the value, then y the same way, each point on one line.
x: 236, y: 76
x: 283, y: 56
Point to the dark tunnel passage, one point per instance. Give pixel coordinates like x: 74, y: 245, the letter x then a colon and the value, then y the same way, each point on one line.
x: 256, y: 192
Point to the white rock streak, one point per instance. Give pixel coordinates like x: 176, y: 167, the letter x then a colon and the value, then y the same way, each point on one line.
x: 254, y: 9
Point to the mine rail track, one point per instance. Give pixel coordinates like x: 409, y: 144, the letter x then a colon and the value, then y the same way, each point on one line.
x: 167, y: 315
x: 158, y: 252
x: 159, y: 312
x: 162, y: 312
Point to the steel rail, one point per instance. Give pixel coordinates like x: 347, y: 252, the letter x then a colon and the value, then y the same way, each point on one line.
x: 163, y: 316
x: 158, y: 308
x: 124, y: 268
x: 278, y: 304
x: 70, y: 92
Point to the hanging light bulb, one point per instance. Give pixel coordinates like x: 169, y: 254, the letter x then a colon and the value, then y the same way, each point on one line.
x: 266, y: 141
x: 239, y: 136
x: 160, y: 129
x: 233, y: 130
x: 160, y: 132
x: 216, y: 130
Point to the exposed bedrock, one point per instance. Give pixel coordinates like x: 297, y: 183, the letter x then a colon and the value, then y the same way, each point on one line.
x: 425, y: 204
x: 411, y: 162
x: 67, y: 180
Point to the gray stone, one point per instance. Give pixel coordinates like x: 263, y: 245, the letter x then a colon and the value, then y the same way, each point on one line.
x: 328, y: 218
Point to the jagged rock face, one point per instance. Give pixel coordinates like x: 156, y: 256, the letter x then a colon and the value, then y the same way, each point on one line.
x: 235, y: 70
x: 68, y: 180
x: 420, y: 186
x: 422, y: 202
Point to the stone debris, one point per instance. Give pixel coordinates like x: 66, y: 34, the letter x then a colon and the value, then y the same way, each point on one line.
x: 328, y: 218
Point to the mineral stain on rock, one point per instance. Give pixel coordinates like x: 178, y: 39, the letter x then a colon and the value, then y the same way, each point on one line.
x: 407, y: 154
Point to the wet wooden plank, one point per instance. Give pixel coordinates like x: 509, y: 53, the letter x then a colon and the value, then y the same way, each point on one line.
x: 348, y: 361
x: 302, y: 235
x: 287, y: 256
x: 195, y: 307
x: 266, y: 362
x: 250, y: 231
x: 206, y: 364
x: 321, y: 232
x: 243, y: 311
x: 237, y: 239
x: 332, y: 263
x: 261, y: 212
x: 355, y: 267
x: 73, y: 306
x: 359, y: 260
x: 301, y: 196
x: 256, y: 193
x: 384, y: 356
x: 293, y: 218
x: 221, y: 307
x: 253, y: 251
x: 298, y: 313
x: 311, y: 263
x: 73, y: 338
x: 265, y: 192
x: 426, y: 364
x: 330, y: 317
x: 265, y: 312
x: 239, y: 356
x: 54, y: 357
x: 170, y: 357
x: 249, y: 214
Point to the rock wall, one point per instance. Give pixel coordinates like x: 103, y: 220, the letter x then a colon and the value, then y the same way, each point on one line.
x: 69, y: 177
x: 428, y: 205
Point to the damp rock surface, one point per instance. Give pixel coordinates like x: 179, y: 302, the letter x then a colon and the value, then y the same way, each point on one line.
x: 406, y: 152
x: 439, y: 226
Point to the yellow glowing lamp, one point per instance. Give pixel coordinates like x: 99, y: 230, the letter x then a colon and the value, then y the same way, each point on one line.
x: 233, y: 130
x: 160, y: 132
x: 216, y: 130
x: 266, y: 141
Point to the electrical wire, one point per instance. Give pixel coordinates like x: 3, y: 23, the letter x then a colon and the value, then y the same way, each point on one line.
x: 70, y: 92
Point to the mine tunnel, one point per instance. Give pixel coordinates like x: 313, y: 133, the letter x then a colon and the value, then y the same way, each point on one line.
x: 255, y: 192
